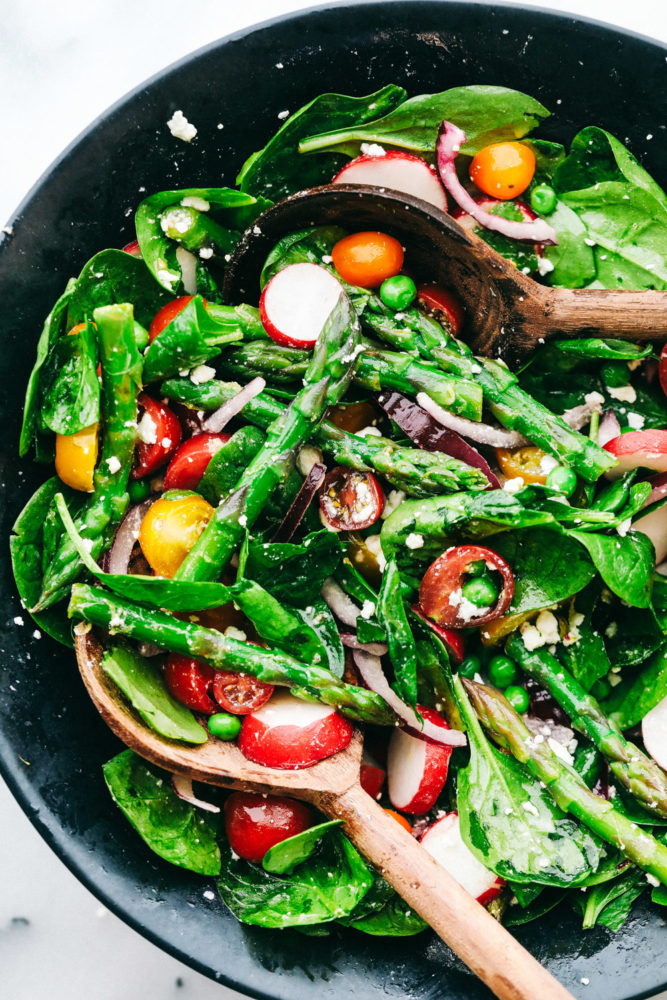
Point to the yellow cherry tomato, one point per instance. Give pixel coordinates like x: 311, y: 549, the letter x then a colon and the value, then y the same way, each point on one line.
x: 170, y: 529
x: 401, y: 820
x: 503, y: 170
x: 76, y: 457
x: 367, y: 259
x: 524, y: 462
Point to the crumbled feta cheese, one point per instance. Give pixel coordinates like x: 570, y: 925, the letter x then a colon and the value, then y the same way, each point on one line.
x: 231, y: 632
x: 369, y: 432
x: 594, y: 399
x: 166, y: 277
x: 547, y: 463
x: 589, y: 242
x: 243, y: 520
x: 194, y: 201
x: 636, y: 421
x: 529, y: 808
x: 283, y: 114
x: 367, y: 610
x: 513, y: 485
x: 544, y: 265
x: 624, y: 393
x: 374, y: 545
x: 560, y: 750
x: 584, y: 979
x: 624, y: 527
x: 181, y: 128
x: 372, y: 149
x: 414, y: 541
x: 611, y: 630
x: 651, y: 879
x: 327, y: 258
x: 205, y: 252
x: 307, y: 458
x: 18, y: 620
x: 201, y: 374
x: 114, y: 464
x: 547, y: 626
x: 394, y: 500
x: 256, y: 230
x: 166, y: 442
x: 532, y: 638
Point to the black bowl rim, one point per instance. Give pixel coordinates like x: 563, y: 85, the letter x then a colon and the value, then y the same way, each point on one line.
x: 51, y: 832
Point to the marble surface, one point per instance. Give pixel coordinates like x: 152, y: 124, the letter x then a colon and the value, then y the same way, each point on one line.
x: 53, y: 932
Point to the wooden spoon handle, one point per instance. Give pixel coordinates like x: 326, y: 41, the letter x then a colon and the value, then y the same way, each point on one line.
x: 480, y: 941
x: 594, y: 312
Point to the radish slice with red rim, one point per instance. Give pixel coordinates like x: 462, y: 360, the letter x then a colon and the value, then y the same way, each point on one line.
x: 351, y: 500
x: 450, y: 140
x: 417, y: 768
x: 654, y: 733
x: 398, y: 171
x: 297, y: 302
x: 288, y: 733
x: 301, y: 503
x: 638, y: 449
x: 440, y: 592
x: 444, y: 842
x: 653, y: 524
x: 183, y: 788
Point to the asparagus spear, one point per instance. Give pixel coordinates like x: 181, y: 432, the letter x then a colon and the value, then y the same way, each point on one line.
x: 568, y: 789
x: 223, y: 653
x: 375, y: 370
x: 121, y: 380
x: 417, y: 472
x: 327, y: 376
x: 637, y: 772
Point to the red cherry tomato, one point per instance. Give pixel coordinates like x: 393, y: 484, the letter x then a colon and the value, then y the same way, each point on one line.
x: 255, y: 823
x: 190, y: 682
x: 191, y: 460
x: 151, y: 455
x: 239, y: 693
x: 442, y: 306
x: 350, y: 500
x: 133, y: 249
x: 452, y: 639
x: 662, y: 369
x: 371, y: 779
x: 166, y: 314
x: 440, y: 591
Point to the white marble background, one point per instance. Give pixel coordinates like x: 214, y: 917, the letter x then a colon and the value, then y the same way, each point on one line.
x: 54, y: 935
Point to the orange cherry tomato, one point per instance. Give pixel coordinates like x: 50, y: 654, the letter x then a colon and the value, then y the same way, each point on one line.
x: 524, y: 462
x: 367, y: 259
x: 76, y: 457
x: 353, y: 417
x: 503, y: 170
x: 405, y: 823
x: 166, y: 314
x: 171, y: 528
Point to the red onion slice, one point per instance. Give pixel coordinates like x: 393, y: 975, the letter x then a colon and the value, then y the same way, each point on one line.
x: 609, y: 428
x: 183, y: 788
x: 126, y: 538
x: 372, y: 674
x: 578, y: 416
x: 375, y: 648
x: 495, y: 437
x: 221, y: 417
x: 450, y: 140
x: 338, y: 601
x: 422, y: 427
x: 301, y: 503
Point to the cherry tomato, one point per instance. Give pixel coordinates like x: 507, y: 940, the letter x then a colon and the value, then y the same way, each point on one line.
x: 166, y: 314
x: 350, y: 500
x: 255, y: 823
x: 503, y: 170
x: 76, y: 457
x: 353, y: 417
x: 371, y: 779
x: 524, y: 462
x: 401, y: 820
x: 170, y: 528
x: 452, y: 639
x: 240, y: 694
x: 367, y: 259
x: 189, y: 463
x: 440, y: 591
x: 190, y: 682
x: 443, y: 306
x: 132, y: 248
x: 163, y: 430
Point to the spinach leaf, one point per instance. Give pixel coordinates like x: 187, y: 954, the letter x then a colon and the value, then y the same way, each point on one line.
x: 144, y: 687
x: 522, y: 255
x: 486, y: 114
x: 283, y: 858
x: 319, y: 619
x: 305, y: 245
x: 628, y: 806
x: 586, y: 657
x: 509, y: 821
x: 193, y: 336
x: 659, y: 598
x: 659, y: 895
x: 294, y: 572
x: 395, y: 919
x: 402, y: 650
x: 69, y: 387
x: 548, y: 900
x: 548, y: 568
x: 625, y: 563
x: 277, y: 171
x: 173, y: 829
x: 277, y: 623
x: 225, y: 468
x: 54, y: 327
x: 217, y: 228
x: 26, y: 546
x: 607, y: 349
x: 113, y: 276
x: 326, y: 887
x: 609, y: 905
x: 635, y: 696
x: 572, y: 258
x: 631, y: 635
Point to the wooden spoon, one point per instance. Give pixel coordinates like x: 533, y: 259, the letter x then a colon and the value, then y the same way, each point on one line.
x: 507, y: 312
x: 332, y: 786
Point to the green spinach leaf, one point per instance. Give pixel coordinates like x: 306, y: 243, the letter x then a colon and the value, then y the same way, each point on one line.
x: 294, y: 572
x: 70, y: 388
x: 393, y: 620
x: 114, y: 277
x: 192, y: 337
x: 395, y: 919
x: 225, y: 468
x: 636, y: 695
x: 625, y: 563
x: 547, y: 901
x: 283, y: 858
x: 318, y: 618
x: 610, y: 904
x: 572, y: 258
x: 586, y: 657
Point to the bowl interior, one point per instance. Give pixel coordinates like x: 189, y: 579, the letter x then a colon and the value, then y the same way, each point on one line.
x: 52, y: 742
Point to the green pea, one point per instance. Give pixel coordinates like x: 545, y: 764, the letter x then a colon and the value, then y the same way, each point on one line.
x: 543, y: 199
x: 503, y: 672
x: 224, y: 726
x: 480, y: 591
x: 601, y: 689
x: 518, y: 698
x: 398, y: 292
x: 139, y: 490
x: 615, y: 374
x: 562, y: 480
x: 470, y: 666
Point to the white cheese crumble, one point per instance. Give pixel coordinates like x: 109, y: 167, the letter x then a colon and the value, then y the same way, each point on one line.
x: 544, y: 265
x: 624, y: 527
x: 181, y: 128
x: 194, y: 201
x: 114, y: 464
x: 18, y: 620
x: 147, y: 429
x: 374, y: 545
x: 202, y: 373
x: 231, y: 632
x: 414, y: 541
x: 367, y: 610
x: 547, y: 626
x: 372, y: 149
x: 205, y: 252
x: 624, y: 393
x: 307, y: 458
x: 547, y: 463
x: 560, y: 750
x: 283, y: 114
x: 594, y: 399
x: 394, y: 500
x: 243, y: 520
x: 176, y: 220
x: 513, y: 485
x: 636, y: 421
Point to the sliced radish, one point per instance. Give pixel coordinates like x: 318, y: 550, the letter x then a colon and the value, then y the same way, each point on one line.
x: 416, y: 768
x: 398, y: 171
x: 654, y: 733
x: 290, y: 733
x: 443, y: 842
x: 654, y: 524
x: 638, y: 449
x: 297, y: 302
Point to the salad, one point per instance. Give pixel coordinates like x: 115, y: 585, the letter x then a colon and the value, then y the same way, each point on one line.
x: 288, y: 518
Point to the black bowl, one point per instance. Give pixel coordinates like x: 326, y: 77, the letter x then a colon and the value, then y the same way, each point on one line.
x: 52, y: 741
